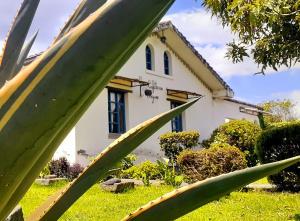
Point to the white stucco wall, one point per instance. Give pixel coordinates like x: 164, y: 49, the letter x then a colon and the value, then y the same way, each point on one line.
x: 223, y: 109
x: 67, y: 148
x: 91, y: 133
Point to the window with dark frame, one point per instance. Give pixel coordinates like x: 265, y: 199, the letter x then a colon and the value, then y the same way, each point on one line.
x: 176, y: 122
x: 149, y: 59
x: 116, y: 112
x: 166, y: 63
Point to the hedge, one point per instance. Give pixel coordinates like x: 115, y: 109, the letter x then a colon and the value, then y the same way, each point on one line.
x: 174, y: 143
x: 202, y: 164
x: 279, y: 143
x: 239, y: 133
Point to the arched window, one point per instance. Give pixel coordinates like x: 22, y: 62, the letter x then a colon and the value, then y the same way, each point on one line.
x: 149, y: 58
x: 167, y: 63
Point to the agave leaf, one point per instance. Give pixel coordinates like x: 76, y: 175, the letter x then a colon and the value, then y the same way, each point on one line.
x: 85, y: 8
x: 50, y: 150
x: 16, y: 39
x: 98, y: 169
x: 59, y: 85
x: 24, y: 53
x: 184, y: 200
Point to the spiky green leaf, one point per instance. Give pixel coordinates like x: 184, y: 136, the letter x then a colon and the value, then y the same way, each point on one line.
x: 16, y: 39
x: 186, y: 199
x: 113, y: 154
x: 85, y: 8
x: 23, y: 55
x: 61, y: 84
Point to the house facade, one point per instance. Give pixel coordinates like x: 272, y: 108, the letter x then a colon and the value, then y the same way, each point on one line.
x: 164, y: 72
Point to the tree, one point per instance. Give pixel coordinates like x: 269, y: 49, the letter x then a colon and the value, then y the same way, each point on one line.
x: 268, y: 30
x: 282, y: 110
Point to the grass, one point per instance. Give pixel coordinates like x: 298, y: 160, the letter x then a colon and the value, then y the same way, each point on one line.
x: 99, y: 205
x: 262, y: 181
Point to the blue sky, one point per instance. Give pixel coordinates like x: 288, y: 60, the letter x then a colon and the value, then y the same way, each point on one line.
x: 204, y: 32
x: 184, y: 5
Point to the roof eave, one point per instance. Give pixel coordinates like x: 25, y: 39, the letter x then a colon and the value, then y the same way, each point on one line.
x: 169, y: 25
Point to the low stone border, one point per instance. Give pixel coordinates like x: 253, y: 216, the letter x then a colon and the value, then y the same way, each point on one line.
x: 47, y: 182
x: 140, y: 183
x: 260, y: 187
x: 117, y: 185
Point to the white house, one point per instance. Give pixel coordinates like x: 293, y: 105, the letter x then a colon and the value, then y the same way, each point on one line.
x: 164, y: 72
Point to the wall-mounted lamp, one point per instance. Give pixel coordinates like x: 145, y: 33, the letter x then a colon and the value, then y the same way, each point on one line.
x: 163, y: 39
x: 148, y: 93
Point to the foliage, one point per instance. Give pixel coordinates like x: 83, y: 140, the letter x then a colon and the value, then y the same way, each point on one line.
x: 45, y: 171
x: 173, y: 143
x: 239, y: 133
x: 169, y: 174
x: 48, y: 97
x: 60, y: 167
x: 128, y: 161
x: 283, y: 124
x: 145, y: 171
x: 106, y: 160
x: 202, y: 164
x: 268, y: 30
x: 282, y: 110
x: 74, y: 171
x: 280, y: 143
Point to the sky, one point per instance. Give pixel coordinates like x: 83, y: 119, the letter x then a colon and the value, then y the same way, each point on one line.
x: 203, y: 31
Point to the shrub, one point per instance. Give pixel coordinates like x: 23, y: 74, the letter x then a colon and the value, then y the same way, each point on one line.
x: 239, y: 133
x: 202, y: 164
x: 75, y: 171
x: 169, y: 173
x: 121, y: 166
x: 279, y: 143
x: 283, y: 124
x: 128, y: 162
x: 173, y: 143
x: 45, y: 172
x: 145, y: 171
x: 60, y: 167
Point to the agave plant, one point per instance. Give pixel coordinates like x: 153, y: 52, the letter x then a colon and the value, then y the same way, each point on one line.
x: 61, y: 84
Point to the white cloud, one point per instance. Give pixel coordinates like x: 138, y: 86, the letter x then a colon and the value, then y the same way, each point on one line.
x: 216, y: 57
x: 295, y: 96
x: 200, y: 27
x: 210, y: 38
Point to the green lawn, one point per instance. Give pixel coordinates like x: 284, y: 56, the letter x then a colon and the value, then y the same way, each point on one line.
x: 262, y: 181
x: 99, y: 205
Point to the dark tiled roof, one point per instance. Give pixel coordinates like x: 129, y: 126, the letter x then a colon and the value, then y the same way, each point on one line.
x: 244, y: 103
x: 169, y: 25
